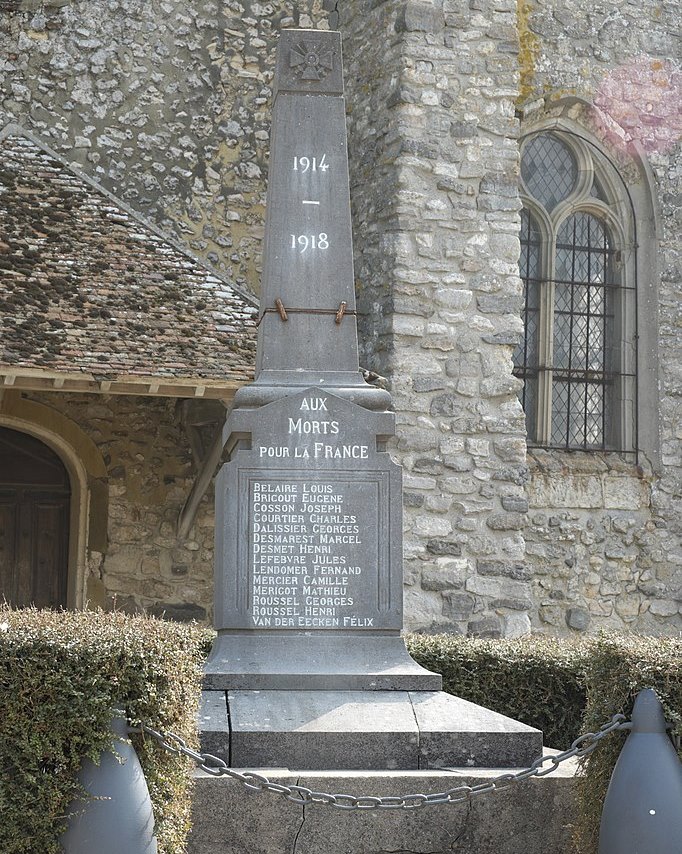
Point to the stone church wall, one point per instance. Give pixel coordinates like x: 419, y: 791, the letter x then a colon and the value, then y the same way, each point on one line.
x: 604, y: 538
x: 600, y: 543
x: 149, y: 475
x: 438, y: 280
x: 167, y: 105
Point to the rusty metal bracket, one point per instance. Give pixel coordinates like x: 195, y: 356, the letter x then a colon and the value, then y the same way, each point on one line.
x: 339, y: 313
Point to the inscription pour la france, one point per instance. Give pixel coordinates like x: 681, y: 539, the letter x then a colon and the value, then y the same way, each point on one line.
x: 303, y: 538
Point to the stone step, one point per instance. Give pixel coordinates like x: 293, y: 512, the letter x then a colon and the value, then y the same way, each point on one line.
x: 406, y: 730
x: 329, y: 662
x: 533, y: 817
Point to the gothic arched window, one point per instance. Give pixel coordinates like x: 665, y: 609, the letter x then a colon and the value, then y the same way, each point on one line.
x: 577, y: 357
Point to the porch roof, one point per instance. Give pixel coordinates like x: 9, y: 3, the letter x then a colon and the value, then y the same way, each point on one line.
x: 94, y: 298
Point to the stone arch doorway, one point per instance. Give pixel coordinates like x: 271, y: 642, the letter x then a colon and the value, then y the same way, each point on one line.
x: 35, y: 508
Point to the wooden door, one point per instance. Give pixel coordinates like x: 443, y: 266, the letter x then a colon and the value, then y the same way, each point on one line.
x: 34, y: 522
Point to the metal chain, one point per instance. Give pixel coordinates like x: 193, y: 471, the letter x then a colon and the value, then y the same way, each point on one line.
x: 582, y: 746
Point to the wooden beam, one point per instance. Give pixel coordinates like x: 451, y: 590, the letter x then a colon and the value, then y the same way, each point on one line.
x: 181, y: 387
x: 200, y: 485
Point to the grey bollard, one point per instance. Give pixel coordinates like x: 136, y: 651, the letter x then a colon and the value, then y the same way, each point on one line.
x: 120, y: 820
x: 643, y: 806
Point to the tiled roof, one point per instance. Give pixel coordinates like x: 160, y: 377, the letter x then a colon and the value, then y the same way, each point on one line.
x: 87, y: 286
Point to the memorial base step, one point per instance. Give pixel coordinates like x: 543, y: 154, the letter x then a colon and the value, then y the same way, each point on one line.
x: 353, y: 730
x: 329, y: 662
x: 535, y: 817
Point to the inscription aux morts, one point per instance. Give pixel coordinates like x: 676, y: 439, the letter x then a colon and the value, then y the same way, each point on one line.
x: 308, y: 540
x: 309, y: 423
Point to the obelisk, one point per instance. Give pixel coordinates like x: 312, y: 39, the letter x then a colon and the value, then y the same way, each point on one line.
x: 309, y: 669
x: 308, y: 331
x: 308, y: 587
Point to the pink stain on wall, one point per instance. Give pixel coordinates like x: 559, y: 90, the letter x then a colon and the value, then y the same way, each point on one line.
x: 643, y: 99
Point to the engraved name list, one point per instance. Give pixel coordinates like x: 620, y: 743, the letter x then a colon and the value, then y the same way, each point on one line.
x: 311, y: 554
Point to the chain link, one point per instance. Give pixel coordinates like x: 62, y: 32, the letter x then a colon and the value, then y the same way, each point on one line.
x: 582, y: 746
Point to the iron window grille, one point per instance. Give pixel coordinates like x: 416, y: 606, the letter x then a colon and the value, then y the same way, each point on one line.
x: 577, y: 355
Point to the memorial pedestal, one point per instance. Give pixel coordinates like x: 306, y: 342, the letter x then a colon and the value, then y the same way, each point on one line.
x: 322, y: 663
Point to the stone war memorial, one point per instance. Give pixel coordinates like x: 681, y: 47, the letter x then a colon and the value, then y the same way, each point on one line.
x: 309, y: 670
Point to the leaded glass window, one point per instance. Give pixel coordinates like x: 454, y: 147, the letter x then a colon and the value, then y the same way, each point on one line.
x: 548, y: 169
x: 576, y: 357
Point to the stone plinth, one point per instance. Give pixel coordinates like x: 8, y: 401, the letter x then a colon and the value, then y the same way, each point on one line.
x: 331, y: 662
x: 361, y: 730
x: 533, y: 817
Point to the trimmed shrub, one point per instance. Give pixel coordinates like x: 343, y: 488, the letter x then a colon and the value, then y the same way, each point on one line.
x: 565, y: 689
x: 620, y: 667
x: 61, y: 674
x: 537, y: 680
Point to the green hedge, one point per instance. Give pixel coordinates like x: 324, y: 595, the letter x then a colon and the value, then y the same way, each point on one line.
x: 565, y: 689
x: 537, y: 680
x: 61, y: 673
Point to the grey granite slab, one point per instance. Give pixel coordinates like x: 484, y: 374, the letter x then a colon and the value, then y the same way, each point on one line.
x: 308, y: 533
x: 323, y: 729
x: 456, y: 733
x: 326, y: 662
x: 365, y: 730
x: 214, y: 724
